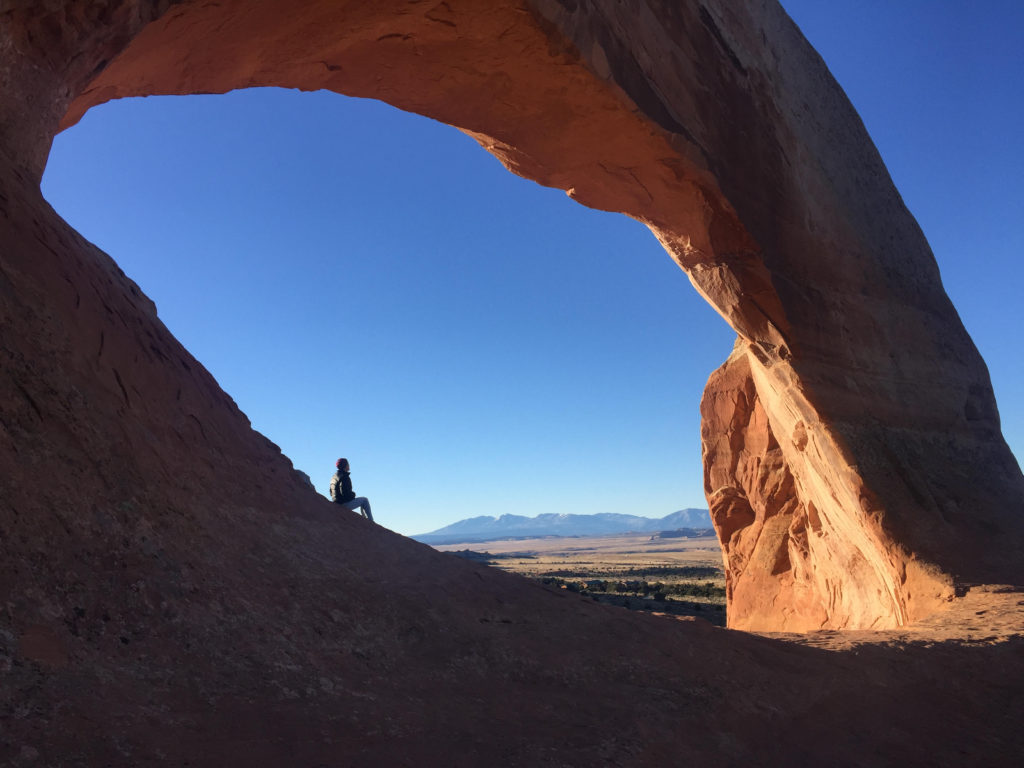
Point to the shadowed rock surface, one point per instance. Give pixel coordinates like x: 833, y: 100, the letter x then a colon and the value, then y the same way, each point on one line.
x: 173, y: 591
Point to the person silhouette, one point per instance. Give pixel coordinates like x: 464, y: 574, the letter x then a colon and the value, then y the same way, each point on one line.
x: 342, y: 493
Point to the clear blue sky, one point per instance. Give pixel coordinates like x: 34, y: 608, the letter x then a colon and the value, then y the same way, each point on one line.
x: 369, y: 283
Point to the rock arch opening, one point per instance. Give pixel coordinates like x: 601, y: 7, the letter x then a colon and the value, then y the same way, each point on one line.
x: 854, y: 461
x: 461, y: 331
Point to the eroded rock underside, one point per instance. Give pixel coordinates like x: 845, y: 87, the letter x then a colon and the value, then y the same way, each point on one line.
x: 172, y: 590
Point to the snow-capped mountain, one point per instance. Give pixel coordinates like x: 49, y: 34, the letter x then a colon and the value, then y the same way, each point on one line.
x: 515, y: 526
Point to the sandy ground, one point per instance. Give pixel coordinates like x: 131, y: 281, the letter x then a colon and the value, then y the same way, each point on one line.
x: 986, y: 615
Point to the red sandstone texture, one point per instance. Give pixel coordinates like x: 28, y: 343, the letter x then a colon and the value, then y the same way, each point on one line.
x: 172, y: 591
x: 735, y: 146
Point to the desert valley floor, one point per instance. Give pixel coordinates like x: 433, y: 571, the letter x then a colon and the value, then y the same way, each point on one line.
x: 987, y: 614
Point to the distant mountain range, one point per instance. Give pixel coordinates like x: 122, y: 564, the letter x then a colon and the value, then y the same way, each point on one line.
x: 477, y: 529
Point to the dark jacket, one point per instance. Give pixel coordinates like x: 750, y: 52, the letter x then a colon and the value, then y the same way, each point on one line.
x: 341, y: 487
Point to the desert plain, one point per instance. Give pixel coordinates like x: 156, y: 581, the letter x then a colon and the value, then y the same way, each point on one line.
x: 677, y: 576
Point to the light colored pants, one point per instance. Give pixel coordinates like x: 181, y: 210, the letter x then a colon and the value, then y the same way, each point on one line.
x: 360, y: 502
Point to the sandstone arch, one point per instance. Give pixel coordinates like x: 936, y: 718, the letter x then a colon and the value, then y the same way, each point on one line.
x: 853, y: 458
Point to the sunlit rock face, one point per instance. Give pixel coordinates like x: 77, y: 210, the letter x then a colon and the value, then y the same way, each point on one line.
x: 854, y: 463
x: 793, y: 559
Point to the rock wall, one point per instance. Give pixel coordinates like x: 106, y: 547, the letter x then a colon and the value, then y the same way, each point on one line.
x: 854, y: 461
x: 787, y: 563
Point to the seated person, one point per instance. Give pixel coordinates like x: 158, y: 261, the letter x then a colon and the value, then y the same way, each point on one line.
x: 342, y: 493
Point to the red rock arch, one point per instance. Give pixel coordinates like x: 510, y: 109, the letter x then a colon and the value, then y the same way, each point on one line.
x: 854, y: 463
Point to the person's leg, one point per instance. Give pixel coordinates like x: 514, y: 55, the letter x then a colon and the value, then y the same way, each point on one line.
x: 360, y: 502
x: 365, y: 504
